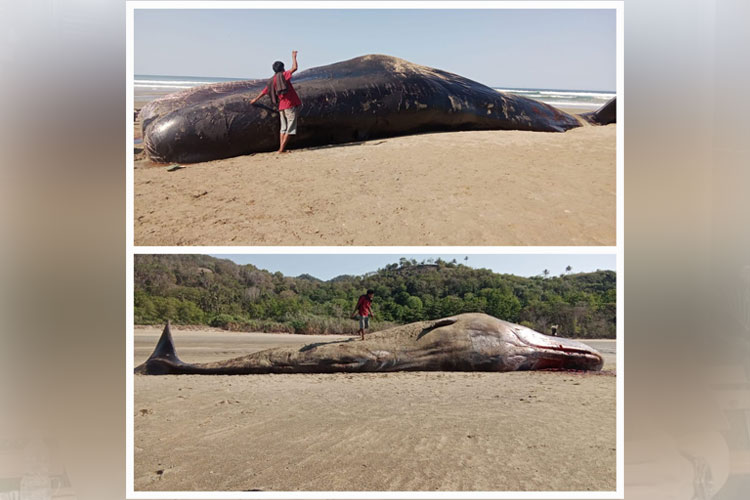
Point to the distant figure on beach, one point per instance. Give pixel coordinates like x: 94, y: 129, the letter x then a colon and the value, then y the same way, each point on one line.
x: 554, y: 330
x: 363, y: 312
x: 282, y: 93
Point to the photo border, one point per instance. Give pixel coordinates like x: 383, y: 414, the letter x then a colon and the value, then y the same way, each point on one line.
x: 618, y: 250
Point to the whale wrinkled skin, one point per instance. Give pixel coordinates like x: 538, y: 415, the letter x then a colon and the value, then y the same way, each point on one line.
x: 367, y: 97
x: 466, y: 342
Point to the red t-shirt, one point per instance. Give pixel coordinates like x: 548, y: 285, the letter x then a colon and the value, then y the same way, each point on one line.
x: 363, y: 305
x: 288, y: 99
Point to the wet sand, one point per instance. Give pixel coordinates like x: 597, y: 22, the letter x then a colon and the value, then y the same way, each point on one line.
x: 390, y: 431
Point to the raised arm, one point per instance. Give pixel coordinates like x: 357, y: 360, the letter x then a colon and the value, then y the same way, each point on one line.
x: 294, y: 62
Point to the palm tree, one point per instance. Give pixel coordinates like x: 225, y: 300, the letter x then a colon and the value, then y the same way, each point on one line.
x: 568, y: 269
x: 546, y: 273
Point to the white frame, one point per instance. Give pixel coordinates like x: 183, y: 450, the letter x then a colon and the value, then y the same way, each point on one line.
x: 618, y: 6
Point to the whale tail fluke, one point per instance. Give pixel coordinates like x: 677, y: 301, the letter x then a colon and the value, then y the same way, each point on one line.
x: 163, y: 357
x: 165, y: 347
x: 604, y: 115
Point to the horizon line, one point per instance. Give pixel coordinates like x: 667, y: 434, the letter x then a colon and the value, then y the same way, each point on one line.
x: 503, y: 87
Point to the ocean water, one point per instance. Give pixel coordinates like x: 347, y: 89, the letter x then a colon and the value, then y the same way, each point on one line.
x: 579, y: 99
x: 149, y: 87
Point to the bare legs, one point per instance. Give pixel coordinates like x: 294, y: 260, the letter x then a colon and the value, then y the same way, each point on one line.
x: 283, y: 138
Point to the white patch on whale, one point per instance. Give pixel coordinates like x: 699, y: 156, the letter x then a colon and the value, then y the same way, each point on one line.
x: 484, y: 343
x: 455, y: 103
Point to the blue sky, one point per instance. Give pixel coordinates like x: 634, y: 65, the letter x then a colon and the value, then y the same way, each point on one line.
x: 327, y: 266
x: 559, y: 49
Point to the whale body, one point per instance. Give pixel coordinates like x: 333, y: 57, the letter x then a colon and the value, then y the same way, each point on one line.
x: 367, y: 97
x: 604, y: 115
x: 466, y: 342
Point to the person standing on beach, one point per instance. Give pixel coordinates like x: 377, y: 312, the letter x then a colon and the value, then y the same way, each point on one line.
x: 283, y: 95
x: 363, y: 312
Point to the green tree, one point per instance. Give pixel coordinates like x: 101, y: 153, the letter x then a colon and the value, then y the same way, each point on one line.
x: 414, y: 309
x: 205, y: 290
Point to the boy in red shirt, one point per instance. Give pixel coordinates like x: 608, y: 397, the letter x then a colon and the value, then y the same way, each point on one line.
x: 363, y: 312
x: 282, y: 93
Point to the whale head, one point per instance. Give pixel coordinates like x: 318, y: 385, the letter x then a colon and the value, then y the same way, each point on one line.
x: 494, y: 344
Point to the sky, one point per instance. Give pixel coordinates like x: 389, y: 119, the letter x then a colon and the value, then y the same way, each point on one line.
x: 560, y: 49
x: 327, y: 266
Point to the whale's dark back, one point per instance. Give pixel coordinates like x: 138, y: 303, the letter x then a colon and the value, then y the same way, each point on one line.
x: 364, y: 98
x: 603, y: 116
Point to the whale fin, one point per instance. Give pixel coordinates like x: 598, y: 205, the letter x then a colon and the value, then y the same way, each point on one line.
x: 443, y: 322
x: 165, y: 347
x: 436, y: 324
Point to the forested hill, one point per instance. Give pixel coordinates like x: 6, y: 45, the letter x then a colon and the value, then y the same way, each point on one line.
x: 198, y: 289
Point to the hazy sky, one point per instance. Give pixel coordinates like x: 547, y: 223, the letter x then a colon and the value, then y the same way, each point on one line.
x: 560, y: 49
x: 327, y: 266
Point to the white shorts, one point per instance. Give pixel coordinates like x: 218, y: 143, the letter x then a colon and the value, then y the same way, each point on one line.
x: 288, y: 121
x: 364, y: 321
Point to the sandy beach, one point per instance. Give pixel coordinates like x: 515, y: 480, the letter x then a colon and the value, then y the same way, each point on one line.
x: 344, y: 432
x: 455, y: 188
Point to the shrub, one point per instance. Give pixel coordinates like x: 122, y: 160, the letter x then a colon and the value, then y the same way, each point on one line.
x: 221, y: 320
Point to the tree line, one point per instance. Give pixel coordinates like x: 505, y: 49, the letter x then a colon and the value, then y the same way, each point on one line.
x: 203, y: 290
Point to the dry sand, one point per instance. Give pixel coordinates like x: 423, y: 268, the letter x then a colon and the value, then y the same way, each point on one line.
x: 397, y: 431
x: 456, y: 188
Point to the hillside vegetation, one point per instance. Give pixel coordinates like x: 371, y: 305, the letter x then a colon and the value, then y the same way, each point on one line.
x: 203, y: 290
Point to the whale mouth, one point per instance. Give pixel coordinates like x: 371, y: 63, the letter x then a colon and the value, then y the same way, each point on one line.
x: 581, y: 356
x: 580, y: 359
x: 562, y: 348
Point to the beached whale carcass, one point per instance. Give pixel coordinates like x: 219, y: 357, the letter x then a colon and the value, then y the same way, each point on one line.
x: 604, y: 115
x: 466, y: 342
x: 367, y: 97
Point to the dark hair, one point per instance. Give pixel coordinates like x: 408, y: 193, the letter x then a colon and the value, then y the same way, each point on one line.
x: 278, y: 67
x: 370, y: 292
